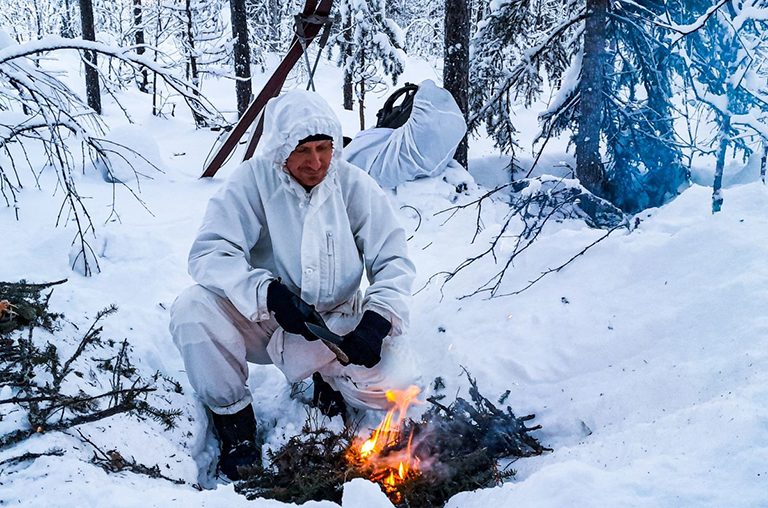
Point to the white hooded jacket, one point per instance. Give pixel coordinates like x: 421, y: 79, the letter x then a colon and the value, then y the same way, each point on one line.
x: 262, y: 224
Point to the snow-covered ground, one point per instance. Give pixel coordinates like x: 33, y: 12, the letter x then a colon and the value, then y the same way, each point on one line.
x: 645, y: 360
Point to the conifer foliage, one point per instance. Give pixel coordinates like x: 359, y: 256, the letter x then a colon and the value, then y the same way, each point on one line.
x: 614, y: 66
x: 58, y: 383
x: 613, y: 81
x: 370, y: 45
x: 721, y: 49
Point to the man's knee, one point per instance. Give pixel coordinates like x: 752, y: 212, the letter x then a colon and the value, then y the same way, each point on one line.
x: 193, y: 304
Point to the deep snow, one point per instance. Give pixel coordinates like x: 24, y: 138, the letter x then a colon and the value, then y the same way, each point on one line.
x: 645, y: 361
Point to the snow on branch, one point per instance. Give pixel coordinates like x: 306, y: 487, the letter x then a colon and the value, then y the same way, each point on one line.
x: 38, y: 110
x: 191, y: 94
x: 688, y: 29
x: 528, y: 62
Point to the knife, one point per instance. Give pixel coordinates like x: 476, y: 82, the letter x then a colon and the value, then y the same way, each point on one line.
x: 330, y: 339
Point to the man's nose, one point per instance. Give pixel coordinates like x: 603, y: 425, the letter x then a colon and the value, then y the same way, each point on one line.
x: 313, y: 160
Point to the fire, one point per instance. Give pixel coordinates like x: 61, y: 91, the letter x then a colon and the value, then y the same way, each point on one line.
x: 390, y: 466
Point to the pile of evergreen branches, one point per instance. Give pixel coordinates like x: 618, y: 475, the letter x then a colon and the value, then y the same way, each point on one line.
x: 459, y: 447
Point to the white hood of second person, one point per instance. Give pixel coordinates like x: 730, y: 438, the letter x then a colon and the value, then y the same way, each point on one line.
x: 293, y: 116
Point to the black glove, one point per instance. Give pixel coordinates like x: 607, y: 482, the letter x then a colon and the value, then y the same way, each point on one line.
x: 363, y: 344
x: 291, y: 312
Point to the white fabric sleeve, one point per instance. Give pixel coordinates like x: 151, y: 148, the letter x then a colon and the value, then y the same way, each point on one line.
x: 219, y: 257
x: 382, y: 241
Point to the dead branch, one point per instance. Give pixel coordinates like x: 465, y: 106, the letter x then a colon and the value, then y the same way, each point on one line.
x: 113, y: 461
x: 25, y: 457
x: 570, y: 260
x: 533, y: 204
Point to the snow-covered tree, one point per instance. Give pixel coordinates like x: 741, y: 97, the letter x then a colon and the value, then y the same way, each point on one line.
x: 269, y: 23
x: 43, y: 123
x: 370, y: 45
x: 517, y: 45
x: 612, y: 77
x: 200, y: 33
x: 27, y: 20
x: 722, y: 45
x: 422, y: 23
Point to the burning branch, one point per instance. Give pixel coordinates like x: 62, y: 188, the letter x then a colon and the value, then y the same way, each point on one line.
x: 453, y: 448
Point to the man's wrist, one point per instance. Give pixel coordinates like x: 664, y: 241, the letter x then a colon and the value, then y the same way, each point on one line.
x: 375, y: 324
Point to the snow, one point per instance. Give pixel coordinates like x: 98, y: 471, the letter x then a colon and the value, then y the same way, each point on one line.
x: 645, y: 360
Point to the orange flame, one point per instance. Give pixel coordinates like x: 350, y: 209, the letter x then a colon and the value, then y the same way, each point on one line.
x: 387, y: 471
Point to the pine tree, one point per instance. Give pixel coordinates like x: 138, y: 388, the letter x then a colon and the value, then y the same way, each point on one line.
x: 515, y: 47
x: 456, y: 61
x: 370, y: 45
x: 613, y: 90
x: 242, y: 55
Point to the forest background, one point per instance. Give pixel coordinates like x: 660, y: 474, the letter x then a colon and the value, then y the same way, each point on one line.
x: 621, y: 296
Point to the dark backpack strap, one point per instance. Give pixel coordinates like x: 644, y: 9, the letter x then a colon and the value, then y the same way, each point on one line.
x: 395, y: 116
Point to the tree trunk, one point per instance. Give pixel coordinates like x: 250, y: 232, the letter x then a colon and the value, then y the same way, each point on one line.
x: 193, y: 72
x: 361, y: 103
x: 242, y: 54
x: 456, y: 61
x: 347, y: 89
x: 274, y: 25
x: 66, y: 21
x: 361, y: 92
x: 589, y: 164
x: 158, y: 31
x: 92, y: 89
x: 38, y: 20
x: 143, y: 83
x: 717, y: 185
x: 764, y: 160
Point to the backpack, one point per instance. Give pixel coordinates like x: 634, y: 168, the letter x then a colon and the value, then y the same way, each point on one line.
x: 395, y: 116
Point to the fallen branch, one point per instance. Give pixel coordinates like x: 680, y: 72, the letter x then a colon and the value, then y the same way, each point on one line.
x: 25, y: 457
x: 113, y: 461
x: 558, y: 268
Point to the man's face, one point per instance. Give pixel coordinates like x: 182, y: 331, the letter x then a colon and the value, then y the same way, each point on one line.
x: 308, y: 163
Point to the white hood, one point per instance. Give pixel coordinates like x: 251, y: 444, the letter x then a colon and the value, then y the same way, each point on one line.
x: 293, y: 116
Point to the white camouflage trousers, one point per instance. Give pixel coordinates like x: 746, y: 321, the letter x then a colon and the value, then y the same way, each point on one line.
x: 216, y: 342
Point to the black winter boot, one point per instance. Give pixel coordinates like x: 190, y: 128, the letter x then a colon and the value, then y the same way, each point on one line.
x: 329, y: 401
x: 237, y: 437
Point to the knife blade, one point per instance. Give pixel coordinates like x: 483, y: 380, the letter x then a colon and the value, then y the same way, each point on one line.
x: 330, y: 339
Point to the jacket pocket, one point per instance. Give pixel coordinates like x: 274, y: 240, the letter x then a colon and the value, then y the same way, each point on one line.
x: 331, y: 262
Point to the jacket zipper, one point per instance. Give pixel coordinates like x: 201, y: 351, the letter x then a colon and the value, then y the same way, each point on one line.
x: 331, y: 263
